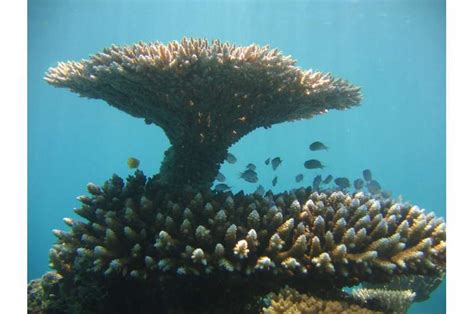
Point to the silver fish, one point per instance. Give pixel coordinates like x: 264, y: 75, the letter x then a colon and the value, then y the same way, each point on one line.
x: 276, y: 162
x: 299, y: 178
x: 221, y: 187
x: 367, y: 175
x: 313, y: 164
x: 343, y: 183
x: 328, y: 179
x: 249, y: 176
x: 231, y: 159
x: 317, y: 146
x: 358, y: 184
x: 220, y: 177
x: 251, y: 166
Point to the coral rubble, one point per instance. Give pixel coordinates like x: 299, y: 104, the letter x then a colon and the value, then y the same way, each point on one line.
x: 205, y: 95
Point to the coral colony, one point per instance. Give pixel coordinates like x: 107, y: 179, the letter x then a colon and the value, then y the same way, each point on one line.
x: 171, y: 244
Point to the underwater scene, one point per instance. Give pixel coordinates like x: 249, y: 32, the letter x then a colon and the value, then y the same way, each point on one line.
x: 236, y: 156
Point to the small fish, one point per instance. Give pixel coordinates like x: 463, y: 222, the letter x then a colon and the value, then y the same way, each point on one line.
x: 249, y: 176
x: 276, y: 162
x: 317, y: 146
x: 316, y: 182
x: 221, y: 187
x: 374, y: 187
x: 328, y: 179
x: 274, y: 181
x: 299, y: 177
x: 260, y: 190
x: 313, y: 164
x: 343, y: 183
x: 251, y: 166
x: 386, y: 194
x: 267, y: 161
x: 231, y: 158
x: 367, y: 175
x: 133, y: 163
x: 220, y: 177
x: 358, y: 184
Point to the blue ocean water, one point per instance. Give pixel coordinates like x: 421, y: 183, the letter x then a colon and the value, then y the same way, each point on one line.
x: 395, y: 50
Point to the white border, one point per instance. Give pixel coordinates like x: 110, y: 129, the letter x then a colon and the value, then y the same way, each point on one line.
x: 13, y: 226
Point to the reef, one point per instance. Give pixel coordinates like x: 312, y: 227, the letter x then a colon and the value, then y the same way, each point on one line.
x: 170, y: 244
x: 205, y: 96
x: 391, y: 301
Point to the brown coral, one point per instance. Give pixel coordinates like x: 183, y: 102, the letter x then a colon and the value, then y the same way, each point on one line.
x: 391, y: 301
x: 290, y: 301
x: 338, y: 238
x: 205, y: 96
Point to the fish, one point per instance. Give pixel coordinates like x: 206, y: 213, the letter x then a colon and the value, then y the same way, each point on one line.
x: 220, y: 177
x: 276, y: 162
x: 133, y: 162
x: 316, y: 182
x: 374, y: 187
x: 313, y: 164
x: 299, y: 177
x: 367, y: 175
x: 317, y: 146
x: 343, y: 183
x: 260, y: 190
x: 221, y: 187
x: 386, y: 194
x: 267, y: 161
x: 249, y: 176
x: 274, y: 181
x: 328, y: 179
x: 251, y: 166
x: 358, y: 184
x: 231, y: 159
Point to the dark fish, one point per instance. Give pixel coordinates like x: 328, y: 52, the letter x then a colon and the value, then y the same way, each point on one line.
x: 220, y: 177
x: 260, y: 190
x: 374, y: 187
x: 317, y: 146
x: 231, y: 158
x: 267, y: 161
x: 274, y: 181
x: 299, y: 177
x: 313, y: 164
x: 343, y: 183
x: 133, y: 163
x: 316, y: 182
x: 249, y: 176
x: 221, y: 187
x: 251, y: 166
x: 367, y: 175
x: 276, y: 162
x: 358, y: 184
x: 328, y: 179
x: 386, y: 194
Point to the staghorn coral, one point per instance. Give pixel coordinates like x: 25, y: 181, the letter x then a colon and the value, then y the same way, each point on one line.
x: 142, y: 231
x: 205, y: 96
x: 290, y: 301
x: 391, y: 301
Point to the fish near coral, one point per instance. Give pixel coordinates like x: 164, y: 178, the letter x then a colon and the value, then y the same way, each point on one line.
x: 328, y: 179
x: 133, y: 163
x: 221, y: 187
x: 313, y: 164
x: 343, y: 183
x: 231, y: 159
x: 249, y: 176
x: 299, y: 178
x: 220, y: 177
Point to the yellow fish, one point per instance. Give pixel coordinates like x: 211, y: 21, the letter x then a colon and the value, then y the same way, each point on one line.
x: 133, y: 163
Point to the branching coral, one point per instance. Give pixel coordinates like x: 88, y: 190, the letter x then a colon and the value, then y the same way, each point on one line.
x: 205, y: 96
x: 290, y: 301
x: 143, y: 232
x: 391, y: 301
